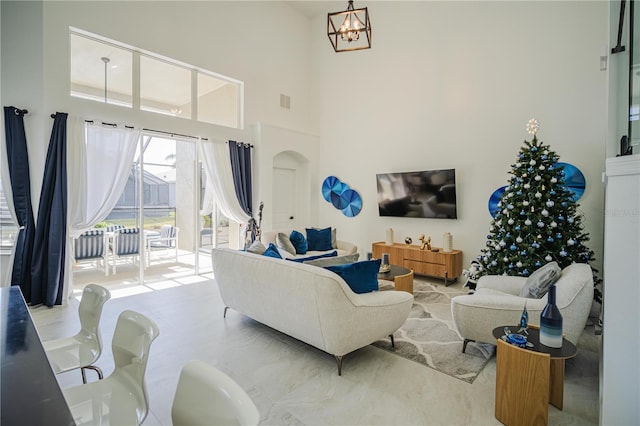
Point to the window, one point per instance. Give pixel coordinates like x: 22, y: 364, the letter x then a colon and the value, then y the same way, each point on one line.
x: 102, y: 70
x: 217, y: 101
x: 8, y: 228
x: 164, y: 88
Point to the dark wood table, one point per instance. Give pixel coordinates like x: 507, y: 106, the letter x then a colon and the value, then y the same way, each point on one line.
x: 529, y: 379
x: 29, y: 390
x: 402, y: 278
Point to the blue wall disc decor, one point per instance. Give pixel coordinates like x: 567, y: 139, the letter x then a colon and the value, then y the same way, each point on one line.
x: 328, y: 186
x: 574, y: 180
x: 353, y: 203
x: 494, y: 199
x: 341, y: 196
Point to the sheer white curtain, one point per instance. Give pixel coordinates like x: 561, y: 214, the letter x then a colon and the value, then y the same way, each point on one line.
x: 100, y: 159
x: 220, y: 188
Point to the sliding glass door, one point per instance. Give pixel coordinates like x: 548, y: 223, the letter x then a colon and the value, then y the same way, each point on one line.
x: 164, y: 225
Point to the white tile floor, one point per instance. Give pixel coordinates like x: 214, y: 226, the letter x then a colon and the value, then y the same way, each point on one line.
x: 294, y: 383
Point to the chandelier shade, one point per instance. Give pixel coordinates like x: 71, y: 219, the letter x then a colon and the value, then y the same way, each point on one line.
x: 350, y: 29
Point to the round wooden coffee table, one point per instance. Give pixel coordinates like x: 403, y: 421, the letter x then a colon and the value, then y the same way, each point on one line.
x: 402, y: 278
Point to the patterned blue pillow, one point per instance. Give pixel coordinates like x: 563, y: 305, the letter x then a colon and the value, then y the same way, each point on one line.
x: 319, y: 239
x: 319, y: 256
x: 299, y: 242
x: 362, y: 277
x: 272, y: 251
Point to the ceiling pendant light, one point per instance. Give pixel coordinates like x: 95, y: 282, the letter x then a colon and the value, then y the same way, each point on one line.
x: 349, y: 30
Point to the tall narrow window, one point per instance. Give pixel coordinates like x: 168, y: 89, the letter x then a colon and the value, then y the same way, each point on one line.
x: 101, y: 71
x: 164, y: 88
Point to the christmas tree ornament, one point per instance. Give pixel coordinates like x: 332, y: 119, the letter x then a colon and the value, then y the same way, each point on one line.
x: 532, y: 127
x: 538, y: 178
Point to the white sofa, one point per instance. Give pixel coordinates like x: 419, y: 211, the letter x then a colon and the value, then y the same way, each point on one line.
x: 496, y: 303
x: 307, y: 302
x: 343, y: 248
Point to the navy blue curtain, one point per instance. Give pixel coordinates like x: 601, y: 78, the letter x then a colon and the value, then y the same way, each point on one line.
x: 18, y: 160
x: 47, y: 269
x: 241, y: 170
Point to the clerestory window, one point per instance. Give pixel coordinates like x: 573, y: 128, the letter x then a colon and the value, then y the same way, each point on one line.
x: 103, y: 70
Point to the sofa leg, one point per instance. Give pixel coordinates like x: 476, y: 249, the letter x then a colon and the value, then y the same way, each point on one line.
x: 393, y: 343
x: 464, y: 344
x: 224, y: 315
x: 339, y: 361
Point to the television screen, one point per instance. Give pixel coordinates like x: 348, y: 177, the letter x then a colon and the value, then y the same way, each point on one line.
x: 428, y: 194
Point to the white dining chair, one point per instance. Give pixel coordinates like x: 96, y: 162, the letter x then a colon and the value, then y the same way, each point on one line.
x: 83, y: 349
x: 121, y: 398
x: 205, y: 396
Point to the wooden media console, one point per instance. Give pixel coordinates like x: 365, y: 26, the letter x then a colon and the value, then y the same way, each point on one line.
x: 445, y: 265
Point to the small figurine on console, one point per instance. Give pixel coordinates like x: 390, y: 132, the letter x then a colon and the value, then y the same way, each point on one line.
x: 422, y: 240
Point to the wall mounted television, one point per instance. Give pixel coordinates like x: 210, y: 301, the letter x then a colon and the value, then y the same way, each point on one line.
x: 426, y: 194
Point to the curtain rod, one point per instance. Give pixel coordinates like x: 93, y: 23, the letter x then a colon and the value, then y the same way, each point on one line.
x: 19, y: 111
x: 144, y: 129
x: 246, y: 144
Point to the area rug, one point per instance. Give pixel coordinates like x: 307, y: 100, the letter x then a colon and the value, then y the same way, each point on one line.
x: 429, y: 335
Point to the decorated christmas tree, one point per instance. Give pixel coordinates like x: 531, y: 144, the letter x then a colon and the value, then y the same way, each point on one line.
x: 537, y: 220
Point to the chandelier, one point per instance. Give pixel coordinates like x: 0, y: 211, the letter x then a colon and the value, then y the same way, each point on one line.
x: 349, y: 30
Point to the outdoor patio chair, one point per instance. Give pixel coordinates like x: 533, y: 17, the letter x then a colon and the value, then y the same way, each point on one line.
x: 113, y: 228
x: 126, y: 244
x: 91, y: 245
x: 168, y: 239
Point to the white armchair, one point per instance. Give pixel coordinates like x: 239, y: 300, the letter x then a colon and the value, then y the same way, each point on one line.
x: 496, y: 302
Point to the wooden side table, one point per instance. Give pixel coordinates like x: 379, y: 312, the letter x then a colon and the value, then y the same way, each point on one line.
x: 402, y: 278
x: 527, y: 380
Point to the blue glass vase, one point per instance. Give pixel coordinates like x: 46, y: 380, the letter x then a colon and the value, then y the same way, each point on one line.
x: 551, y: 322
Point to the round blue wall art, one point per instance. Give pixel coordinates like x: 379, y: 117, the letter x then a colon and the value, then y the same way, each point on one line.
x: 341, y: 196
x: 494, y: 199
x: 574, y: 181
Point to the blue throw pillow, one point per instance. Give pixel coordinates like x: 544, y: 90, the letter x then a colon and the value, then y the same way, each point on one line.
x: 299, y: 242
x: 319, y: 256
x: 362, y: 277
x: 319, y: 239
x: 272, y: 251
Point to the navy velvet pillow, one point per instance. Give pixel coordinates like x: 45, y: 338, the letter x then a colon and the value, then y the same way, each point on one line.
x: 319, y: 239
x: 319, y: 256
x: 362, y: 277
x: 272, y: 251
x: 299, y: 242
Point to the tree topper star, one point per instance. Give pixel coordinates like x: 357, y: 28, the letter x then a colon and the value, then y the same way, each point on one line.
x: 532, y: 126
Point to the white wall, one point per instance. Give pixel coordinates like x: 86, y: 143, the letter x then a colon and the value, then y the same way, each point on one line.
x: 452, y: 85
x: 453, y: 88
x: 264, y: 44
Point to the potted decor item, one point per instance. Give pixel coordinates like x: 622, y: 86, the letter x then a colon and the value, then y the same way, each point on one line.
x: 551, y: 322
